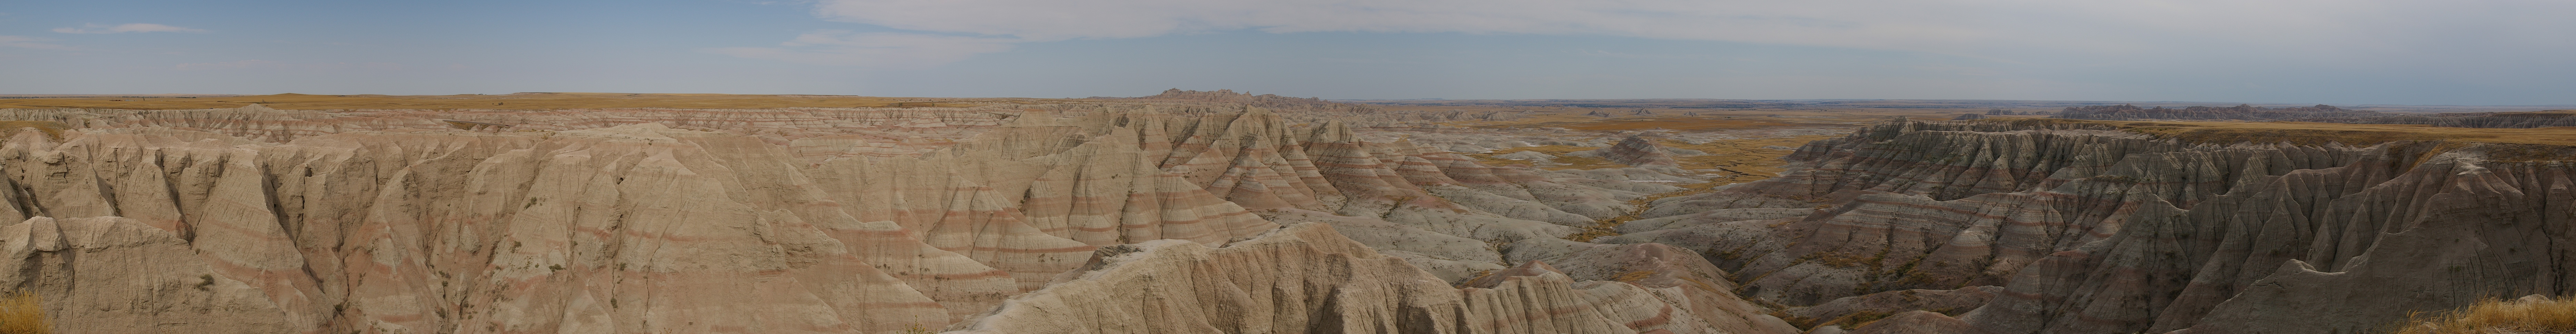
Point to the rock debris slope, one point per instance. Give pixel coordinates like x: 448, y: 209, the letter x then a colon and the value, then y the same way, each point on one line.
x: 2091, y: 230
x: 256, y: 220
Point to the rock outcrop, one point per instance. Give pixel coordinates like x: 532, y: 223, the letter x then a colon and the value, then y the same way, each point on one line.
x: 1306, y: 278
x: 2095, y: 231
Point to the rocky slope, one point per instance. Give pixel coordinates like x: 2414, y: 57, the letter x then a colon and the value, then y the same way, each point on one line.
x: 2091, y: 230
x: 872, y: 220
x: 1306, y: 278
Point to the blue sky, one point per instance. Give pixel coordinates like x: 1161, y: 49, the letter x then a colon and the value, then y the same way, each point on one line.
x: 2337, y: 52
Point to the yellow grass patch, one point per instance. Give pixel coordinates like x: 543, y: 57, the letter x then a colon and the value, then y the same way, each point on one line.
x: 1744, y: 160
x: 2552, y: 315
x: 23, y: 314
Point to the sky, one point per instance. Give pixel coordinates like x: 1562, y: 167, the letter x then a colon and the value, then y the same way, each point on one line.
x: 2470, y: 52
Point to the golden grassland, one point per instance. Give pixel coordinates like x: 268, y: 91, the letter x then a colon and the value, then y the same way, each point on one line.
x: 23, y: 314
x: 523, y: 101
x: 2552, y: 315
x: 1743, y: 160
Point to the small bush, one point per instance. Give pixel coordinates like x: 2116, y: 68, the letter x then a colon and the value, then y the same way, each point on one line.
x: 23, y: 314
x: 2533, y: 315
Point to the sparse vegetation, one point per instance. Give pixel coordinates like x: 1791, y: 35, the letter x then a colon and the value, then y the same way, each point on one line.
x: 1844, y: 260
x: 2538, y: 114
x: 2528, y: 153
x: 1633, y: 276
x: 23, y: 314
x: 2114, y: 178
x: 2038, y: 121
x: 2308, y: 133
x: 52, y: 129
x: 1847, y: 321
x: 2354, y: 137
x: 2491, y: 316
x: 1610, y: 226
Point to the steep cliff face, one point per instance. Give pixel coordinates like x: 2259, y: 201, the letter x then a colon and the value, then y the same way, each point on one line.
x: 617, y: 229
x: 2094, y: 231
x: 121, y: 276
x: 254, y: 220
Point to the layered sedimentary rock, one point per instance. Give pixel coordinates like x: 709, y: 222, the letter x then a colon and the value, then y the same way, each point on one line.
x: 258, y: 220
x: 1855, y: 310
x: 1306, y: 278
x: 121, y: 276
x: 2097, y: 231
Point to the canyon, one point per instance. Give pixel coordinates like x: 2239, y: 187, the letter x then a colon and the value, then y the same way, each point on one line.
x: 1225, y: 212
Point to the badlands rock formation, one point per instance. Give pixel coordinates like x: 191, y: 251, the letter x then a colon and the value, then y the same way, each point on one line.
x: 2092, y: 230
x: 862, y: 220
x: 1306, y: 278
x: 1194, y: 212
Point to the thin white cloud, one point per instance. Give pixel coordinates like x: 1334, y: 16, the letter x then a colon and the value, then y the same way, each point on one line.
x: 2313, y: 30
x: 885, y: 50
x: 123, y: 28
x: 30, y: 43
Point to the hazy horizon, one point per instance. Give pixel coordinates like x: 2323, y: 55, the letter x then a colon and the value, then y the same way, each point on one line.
x: 2356, y: 53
